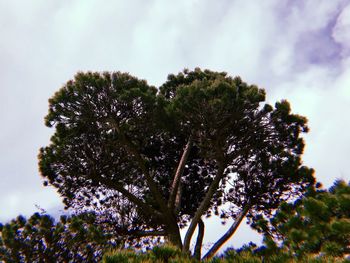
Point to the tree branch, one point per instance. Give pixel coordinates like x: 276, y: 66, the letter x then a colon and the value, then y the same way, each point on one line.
x: 167, y: 215
x: 198, y: 247
x: 147, y: 209
x: 130, y: 147
x: 177, y: 205
x: 179, y: 171
x: 203, y: 206
x: 212, y: 251
x: 146, y: 233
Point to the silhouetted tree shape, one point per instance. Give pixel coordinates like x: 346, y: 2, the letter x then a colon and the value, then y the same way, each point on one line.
x: 162, y: 159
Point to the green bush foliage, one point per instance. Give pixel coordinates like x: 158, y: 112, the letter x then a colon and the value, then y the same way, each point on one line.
x: 246, y: 254
x: 317, y: 223
x: 78, y: 238
x: 166, y: 253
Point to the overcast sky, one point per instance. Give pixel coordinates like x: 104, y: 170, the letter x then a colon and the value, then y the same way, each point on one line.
x: 295, y: 49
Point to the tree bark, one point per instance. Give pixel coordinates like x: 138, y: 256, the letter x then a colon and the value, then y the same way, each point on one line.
x: 228, y: 234
x: 199, y: 242
x: 173, y: 234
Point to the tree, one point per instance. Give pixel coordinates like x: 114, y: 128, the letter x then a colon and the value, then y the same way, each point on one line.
x: 318, y: 222
x: 161, y: 159
x: 40, y: 239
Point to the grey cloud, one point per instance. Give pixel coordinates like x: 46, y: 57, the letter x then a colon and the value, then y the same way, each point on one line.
x: 318, y: 48
x: 341, y: 30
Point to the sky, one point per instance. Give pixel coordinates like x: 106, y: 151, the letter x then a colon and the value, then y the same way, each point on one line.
x: 297, y: 50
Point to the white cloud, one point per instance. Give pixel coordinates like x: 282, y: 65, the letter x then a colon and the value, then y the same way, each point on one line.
x: 323, y: 96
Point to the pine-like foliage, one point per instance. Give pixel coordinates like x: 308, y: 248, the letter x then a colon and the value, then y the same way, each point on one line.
x: 40, y: 239
x: 316, y: 223
x: 157, y: 160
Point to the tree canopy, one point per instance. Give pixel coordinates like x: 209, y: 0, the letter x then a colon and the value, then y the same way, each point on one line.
x: 157, y: 160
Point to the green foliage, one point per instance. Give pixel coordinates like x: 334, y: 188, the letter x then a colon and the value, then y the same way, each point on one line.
x: 165, y: 253
x: 246, y: 254
x: 124, y: 256
x: 77, y: 238
x: 118, y: 143
x: 162, y: 254
x: 317, y: 223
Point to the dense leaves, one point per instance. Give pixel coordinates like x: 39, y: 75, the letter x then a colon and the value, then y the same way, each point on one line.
x: 159, y: 160
x: 319, y: 222
x: 40, y: 239
x: 247, y: 254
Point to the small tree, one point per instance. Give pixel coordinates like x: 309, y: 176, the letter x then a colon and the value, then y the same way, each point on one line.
x: 39, y: 239
x: 159, y: 160
x: 318, y: 222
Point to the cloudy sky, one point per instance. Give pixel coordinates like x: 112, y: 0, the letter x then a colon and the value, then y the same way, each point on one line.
x: 295, y: 49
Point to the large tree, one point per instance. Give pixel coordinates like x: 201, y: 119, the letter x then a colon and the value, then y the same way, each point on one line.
x: 160, y: 159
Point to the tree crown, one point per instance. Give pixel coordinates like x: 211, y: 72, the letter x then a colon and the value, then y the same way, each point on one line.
x: 160, y: 159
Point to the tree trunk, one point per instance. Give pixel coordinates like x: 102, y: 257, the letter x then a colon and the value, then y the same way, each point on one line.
x: 175, y: 240
x: 199, y: 242
x: 173, y: 234
x: 203, y: 207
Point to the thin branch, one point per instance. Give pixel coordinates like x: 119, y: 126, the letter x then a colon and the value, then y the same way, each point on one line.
x: 179, y: 171
x: 228, y: 233
x: 147, y: 209
x: 146, y: 233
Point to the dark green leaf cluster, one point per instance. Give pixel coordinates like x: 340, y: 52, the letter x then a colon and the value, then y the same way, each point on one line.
x: 40, y: 239
x: 251, y: 253
x: 317, y: 223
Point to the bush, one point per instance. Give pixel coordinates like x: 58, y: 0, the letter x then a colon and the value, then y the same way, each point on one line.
x: 165, y: 253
